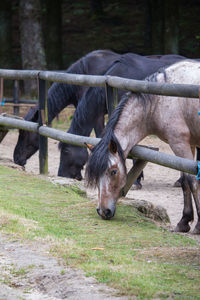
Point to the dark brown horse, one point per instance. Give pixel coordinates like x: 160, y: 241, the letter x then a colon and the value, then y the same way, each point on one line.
x: 174, y: 120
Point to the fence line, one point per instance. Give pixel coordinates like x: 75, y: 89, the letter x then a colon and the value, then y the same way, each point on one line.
x: 141, y: 152
x: 180, y: 90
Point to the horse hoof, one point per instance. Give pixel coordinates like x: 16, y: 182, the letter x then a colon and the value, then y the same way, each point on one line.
x: 182, y: 228
x: 177, y: 184
x: 196, y: 231
x: 136, y: 187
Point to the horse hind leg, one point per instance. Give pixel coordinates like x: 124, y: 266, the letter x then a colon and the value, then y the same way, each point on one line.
x: 178, y: 182
x: 195, y: 188
x: 184, y: 150
x: 188, y: 213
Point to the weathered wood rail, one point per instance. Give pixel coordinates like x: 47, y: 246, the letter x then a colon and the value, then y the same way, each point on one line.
x: 140, y: 152
x: 181, y: 90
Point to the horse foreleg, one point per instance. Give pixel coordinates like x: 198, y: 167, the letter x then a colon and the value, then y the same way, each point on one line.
x: 195, y: 188
x: 181, y: 147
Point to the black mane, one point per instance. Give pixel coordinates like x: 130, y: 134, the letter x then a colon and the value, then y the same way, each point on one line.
x: 62, y: 94
x: 99, y: 159
x: 84, y: 118
x: 59, y: 96
x: 32, y: 114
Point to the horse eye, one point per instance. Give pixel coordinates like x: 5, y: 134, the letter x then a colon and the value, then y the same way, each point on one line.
x: 113, y: 172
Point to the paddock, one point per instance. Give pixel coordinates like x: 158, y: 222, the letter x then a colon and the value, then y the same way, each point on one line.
x: 157, y: 185
x: 157, y: 189
x: 141, y: 153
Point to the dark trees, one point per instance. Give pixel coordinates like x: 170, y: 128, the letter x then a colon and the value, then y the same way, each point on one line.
x: 32, y: 49
x: 53, y: 34
x: 5, y: 34
x: 164, y: 26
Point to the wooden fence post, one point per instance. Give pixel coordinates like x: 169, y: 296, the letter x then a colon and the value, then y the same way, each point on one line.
x: 43, y: 141
x: 111, y: 99
x: 134, y: 172
x: 16, y: 98
x: 1, y: 93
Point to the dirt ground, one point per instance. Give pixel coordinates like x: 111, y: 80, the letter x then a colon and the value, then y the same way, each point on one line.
x: 157, y: 188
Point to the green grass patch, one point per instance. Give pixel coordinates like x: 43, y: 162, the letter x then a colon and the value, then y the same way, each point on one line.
x: 64, y: 119
x: 129, y: 253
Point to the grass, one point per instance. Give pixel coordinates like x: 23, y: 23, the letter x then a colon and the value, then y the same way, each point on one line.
x: 64, y: 119
x: 129, y: 253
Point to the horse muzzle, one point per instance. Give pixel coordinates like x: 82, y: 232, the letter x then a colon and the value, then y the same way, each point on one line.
x: 20, y: 162
x: 106, y: 213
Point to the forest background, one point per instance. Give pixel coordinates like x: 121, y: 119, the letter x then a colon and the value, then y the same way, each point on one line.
x: 52, y: 34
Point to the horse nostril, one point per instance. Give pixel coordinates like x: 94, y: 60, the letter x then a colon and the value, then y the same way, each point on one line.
x: 108, y: 213
x: 79, y: 177
x: 19, y: 162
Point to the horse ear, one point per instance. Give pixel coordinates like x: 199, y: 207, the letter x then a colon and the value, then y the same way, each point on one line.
x: 89, y: 146
x: 112, y: 147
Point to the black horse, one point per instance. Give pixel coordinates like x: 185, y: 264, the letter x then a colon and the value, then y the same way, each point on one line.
x: 61, y: 95
x: 93, y: 105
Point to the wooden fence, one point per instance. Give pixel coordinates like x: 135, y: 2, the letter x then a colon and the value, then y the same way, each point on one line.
x: 15, y: 102
x: 142, y: 153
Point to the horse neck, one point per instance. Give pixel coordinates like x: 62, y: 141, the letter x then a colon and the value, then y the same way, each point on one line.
x: 131, y: 127
x: 90, y: 108
x: 61, y: 95
x: 80, y: 124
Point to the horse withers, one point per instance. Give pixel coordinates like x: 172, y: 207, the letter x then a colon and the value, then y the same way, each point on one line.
x: 174, y: 120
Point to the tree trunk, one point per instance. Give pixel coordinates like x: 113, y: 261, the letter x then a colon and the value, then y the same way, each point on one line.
x: 5, y: 34
x: 164, y: 26
x: 148, y: 28
x: 96, y: 7
x: 157, y: 25
x: 53, y: 41
x: 171, y: 34
x: 32, y: 50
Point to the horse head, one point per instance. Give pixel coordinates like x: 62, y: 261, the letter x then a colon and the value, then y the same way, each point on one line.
x: 72, y: 160
x: 109, y: 177
x: 28, y: 142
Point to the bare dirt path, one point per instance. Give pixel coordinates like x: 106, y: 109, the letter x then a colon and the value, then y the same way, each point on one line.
x: 46, y: 278
x: 34, y: 275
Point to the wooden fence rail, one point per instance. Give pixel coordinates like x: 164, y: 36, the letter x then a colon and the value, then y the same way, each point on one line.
x: 163, y: 159
x: 180, y: 90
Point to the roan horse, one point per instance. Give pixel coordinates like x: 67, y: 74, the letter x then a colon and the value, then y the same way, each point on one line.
x: 174, y: 120
x: 92, y: 107
x: 61, y: 95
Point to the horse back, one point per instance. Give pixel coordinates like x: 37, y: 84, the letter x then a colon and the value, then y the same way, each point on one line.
x: 178, y: 113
